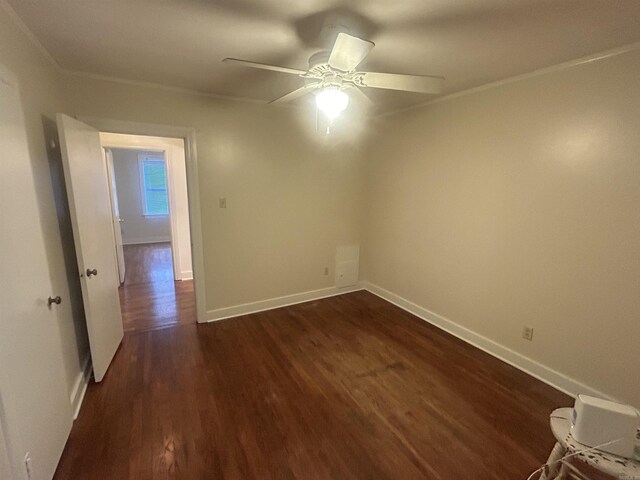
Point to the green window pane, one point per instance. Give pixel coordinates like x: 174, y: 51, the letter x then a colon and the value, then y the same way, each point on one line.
x: 155, y: 187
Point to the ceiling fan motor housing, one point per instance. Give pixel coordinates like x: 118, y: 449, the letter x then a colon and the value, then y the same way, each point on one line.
x: 319, y: 69
x: 319, y: 59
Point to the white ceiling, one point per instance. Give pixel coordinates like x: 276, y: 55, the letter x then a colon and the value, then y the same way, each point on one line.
x: 181, y: 43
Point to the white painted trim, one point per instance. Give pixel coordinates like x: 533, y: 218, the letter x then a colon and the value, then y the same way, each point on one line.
x: 543, y: 373
x: 188, y: 134
x: 142, y: 241
x: 170, y: 163
x: 80, y: 387
x: 169, y: 88
x: 278, y: 302
x: 186, y: 275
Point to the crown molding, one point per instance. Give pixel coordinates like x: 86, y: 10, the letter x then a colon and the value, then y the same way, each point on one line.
x: 160, y: 86
x: 15, y: 18
x: 516, y: 78
x: 595, y: 57
x: 26, y: 31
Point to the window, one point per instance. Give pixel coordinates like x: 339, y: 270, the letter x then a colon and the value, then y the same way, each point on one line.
x: 153, y: 185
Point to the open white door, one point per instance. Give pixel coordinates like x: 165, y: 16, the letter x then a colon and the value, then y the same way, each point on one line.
x: 88, y: 190
x: 35, y: 412
x: 115, y: 208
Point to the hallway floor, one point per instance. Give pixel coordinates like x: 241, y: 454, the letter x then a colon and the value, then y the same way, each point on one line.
x: 150, y: 298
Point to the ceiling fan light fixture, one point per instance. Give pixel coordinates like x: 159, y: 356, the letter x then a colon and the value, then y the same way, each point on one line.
x: 331, y: 72
x: 332, y: 102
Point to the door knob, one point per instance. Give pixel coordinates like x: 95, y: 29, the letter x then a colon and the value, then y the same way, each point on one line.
x: 57, y: 300
x: 92, y: 272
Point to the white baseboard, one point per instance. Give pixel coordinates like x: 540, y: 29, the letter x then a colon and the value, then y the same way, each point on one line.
x: 543, y: 373
x: 186, y: 275
x: 278, y: 302
x: 80, y: 387
x: 141, y: 241
x: 537, y: 370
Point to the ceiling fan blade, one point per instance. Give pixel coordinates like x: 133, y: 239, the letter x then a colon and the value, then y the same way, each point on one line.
x: 263, y: 66
x: 348, y: 52
x: 296, y: 93
x: 408, y: 83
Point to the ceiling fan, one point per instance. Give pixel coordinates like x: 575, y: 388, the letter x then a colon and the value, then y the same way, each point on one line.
x: 332, y: 75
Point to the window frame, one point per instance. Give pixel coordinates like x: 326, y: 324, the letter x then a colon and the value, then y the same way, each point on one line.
x: 158, y: 157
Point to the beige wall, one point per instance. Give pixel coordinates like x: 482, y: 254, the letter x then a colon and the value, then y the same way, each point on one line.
x: 41, y: 99
x: 135, y: 226
x: 520, y: 205
x: 292, y: 195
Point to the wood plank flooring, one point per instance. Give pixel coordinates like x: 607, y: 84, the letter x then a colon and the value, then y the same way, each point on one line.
x: 150, y: 298
x: 348, y: 387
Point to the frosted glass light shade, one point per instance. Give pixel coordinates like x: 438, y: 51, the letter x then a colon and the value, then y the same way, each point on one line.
x: 332, y: 102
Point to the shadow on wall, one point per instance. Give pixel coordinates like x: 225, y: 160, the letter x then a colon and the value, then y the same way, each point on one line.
x: 54, y: 156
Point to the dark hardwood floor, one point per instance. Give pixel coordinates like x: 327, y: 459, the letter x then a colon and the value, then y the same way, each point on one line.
x: 349, y: 387
x: 150, y: 298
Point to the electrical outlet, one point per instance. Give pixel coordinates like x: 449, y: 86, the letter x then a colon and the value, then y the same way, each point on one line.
x: 527, y: 333
x: 326, y: 270
x: 222, y: 202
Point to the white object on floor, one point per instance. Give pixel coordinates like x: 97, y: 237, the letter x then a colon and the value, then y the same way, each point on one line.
x: 596, y: 421
x: 610, y: 464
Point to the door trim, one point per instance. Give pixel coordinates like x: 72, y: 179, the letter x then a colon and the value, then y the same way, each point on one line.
x: 188, y: 134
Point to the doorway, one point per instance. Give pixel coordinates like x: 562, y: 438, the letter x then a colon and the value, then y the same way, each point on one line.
x: 150, y: 209
x: 92, y: 220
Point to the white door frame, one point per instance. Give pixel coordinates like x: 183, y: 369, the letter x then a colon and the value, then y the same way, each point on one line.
x: 115, y: 220
x: 189, y: 136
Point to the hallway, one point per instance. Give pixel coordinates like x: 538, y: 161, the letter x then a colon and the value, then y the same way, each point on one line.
x: 150, y: 298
